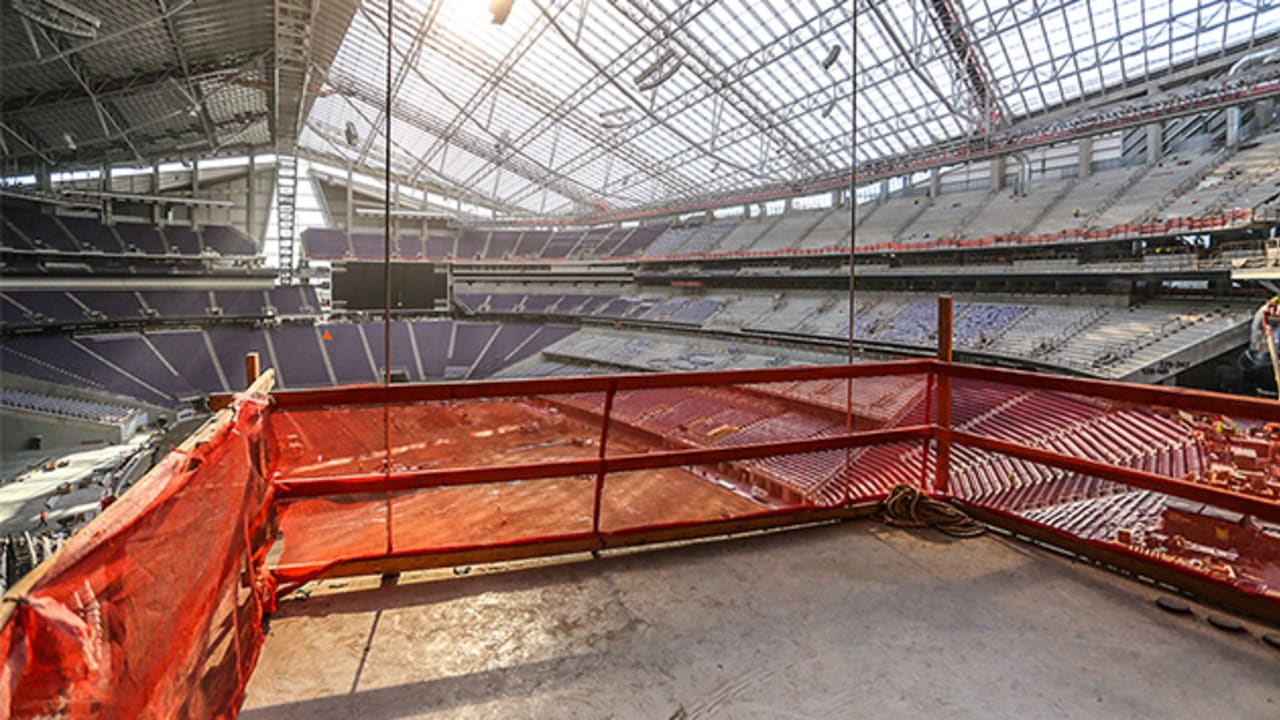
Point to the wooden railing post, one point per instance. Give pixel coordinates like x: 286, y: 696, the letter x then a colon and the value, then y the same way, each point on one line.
x: 252, y: 368
x: 942, y: 468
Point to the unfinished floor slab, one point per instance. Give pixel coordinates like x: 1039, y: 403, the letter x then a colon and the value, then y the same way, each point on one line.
x: 847, y: 621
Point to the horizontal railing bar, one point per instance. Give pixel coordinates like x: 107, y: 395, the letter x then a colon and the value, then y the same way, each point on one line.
x: 424, y: 558
x: 1128, y: 559
x: 1250, y: 505
x: 1177, y: 398
x: 287, y: 489
x: 401, y: 394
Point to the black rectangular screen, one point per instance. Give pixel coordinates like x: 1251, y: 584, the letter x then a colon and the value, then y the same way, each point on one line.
x: 414, y: 286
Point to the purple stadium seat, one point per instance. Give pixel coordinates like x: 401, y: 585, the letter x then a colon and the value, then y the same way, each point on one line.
x: 298, y: 351
x: 178, y: 303
x: 241, y: 303
x: 141, y: 238
x: 439, y: 246
x: 227, y: 240
x: 92, y: 234
x: 182, y: 240
x: 187, y: 352
x: 471, y: 244
x: 502, y: 243
x: 346, y: 350
x: 325, y: 243
x: 433, y: 346
x: 113, y: 304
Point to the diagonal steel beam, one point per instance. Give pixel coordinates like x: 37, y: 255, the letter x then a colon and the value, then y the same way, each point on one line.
x: 488, y: 87
x: 714, y: 72
x: 950, y: 22
x: 105, y: 118
x: 808, y: 33
x: 409, y: 62
x: 192, y: 90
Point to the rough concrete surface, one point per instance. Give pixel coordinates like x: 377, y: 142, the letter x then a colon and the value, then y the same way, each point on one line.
x: 848, y: 621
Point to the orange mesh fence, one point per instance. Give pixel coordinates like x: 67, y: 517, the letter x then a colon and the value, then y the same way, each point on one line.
x: 156, y: 609
x: 410, y: 471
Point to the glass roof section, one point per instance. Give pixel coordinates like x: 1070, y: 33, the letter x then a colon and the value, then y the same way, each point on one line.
x: 1028, y: 56
x: 581, y: 106
x: 587, y: 105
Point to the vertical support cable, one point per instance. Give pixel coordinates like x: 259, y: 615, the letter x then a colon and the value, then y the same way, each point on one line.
x: 386, y: 270
x: 848, y: 397
x: 386, y: 216
x: 942, y: 469
x: 853, y: 244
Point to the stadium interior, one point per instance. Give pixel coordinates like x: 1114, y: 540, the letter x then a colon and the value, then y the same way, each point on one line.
x: 310, y: 308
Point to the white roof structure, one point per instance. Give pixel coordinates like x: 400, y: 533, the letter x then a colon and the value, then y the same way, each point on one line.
x: 931, y: 71
x: 572, y: 105
x: 572, y: 108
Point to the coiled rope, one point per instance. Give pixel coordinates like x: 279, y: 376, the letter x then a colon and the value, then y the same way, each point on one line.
x: 906, y: 506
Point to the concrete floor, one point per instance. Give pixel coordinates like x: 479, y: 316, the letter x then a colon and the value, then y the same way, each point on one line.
x: 849, y: 621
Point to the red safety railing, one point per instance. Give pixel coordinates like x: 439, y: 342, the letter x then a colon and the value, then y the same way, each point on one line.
x: 794, y: 442
x: 155, y: 609
x: 615, y: 460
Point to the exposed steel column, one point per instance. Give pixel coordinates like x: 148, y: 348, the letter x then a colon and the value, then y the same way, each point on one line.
x: 942, y: 469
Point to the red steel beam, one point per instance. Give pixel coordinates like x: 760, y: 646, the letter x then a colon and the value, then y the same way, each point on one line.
x: 357, y: 484
x: 424, y: 392
x: 1248, y: 504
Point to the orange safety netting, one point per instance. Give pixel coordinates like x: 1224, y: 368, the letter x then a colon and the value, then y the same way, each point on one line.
x: 545, y: 449
x: 156, y: 609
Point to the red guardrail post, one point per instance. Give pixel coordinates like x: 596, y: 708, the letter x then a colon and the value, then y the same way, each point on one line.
x: 942, y: 469
x: 604, y: 444
x: 930, y: 382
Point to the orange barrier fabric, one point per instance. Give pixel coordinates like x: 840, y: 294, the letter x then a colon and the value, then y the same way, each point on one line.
x: 442, y: 441
x: 156, y: 609
x: 1100, y: 461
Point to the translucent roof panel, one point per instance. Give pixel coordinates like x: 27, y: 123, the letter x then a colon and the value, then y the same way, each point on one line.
x: 576, y: 106
x: 573, y: 105
x: 916, y: 84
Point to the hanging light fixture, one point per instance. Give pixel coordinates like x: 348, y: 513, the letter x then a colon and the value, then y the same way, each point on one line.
x: 500, y: 9
x: 831, y: 58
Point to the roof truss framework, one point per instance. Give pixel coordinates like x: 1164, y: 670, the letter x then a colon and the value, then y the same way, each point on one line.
x: 549, y: 112
x: 575, y: 107
x: 158, y: 79
x: 1036, y: 56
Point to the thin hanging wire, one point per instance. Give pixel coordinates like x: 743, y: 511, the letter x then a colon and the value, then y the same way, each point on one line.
x: 386, y: 214
x: 853, y: 296
x: 386, y: 270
